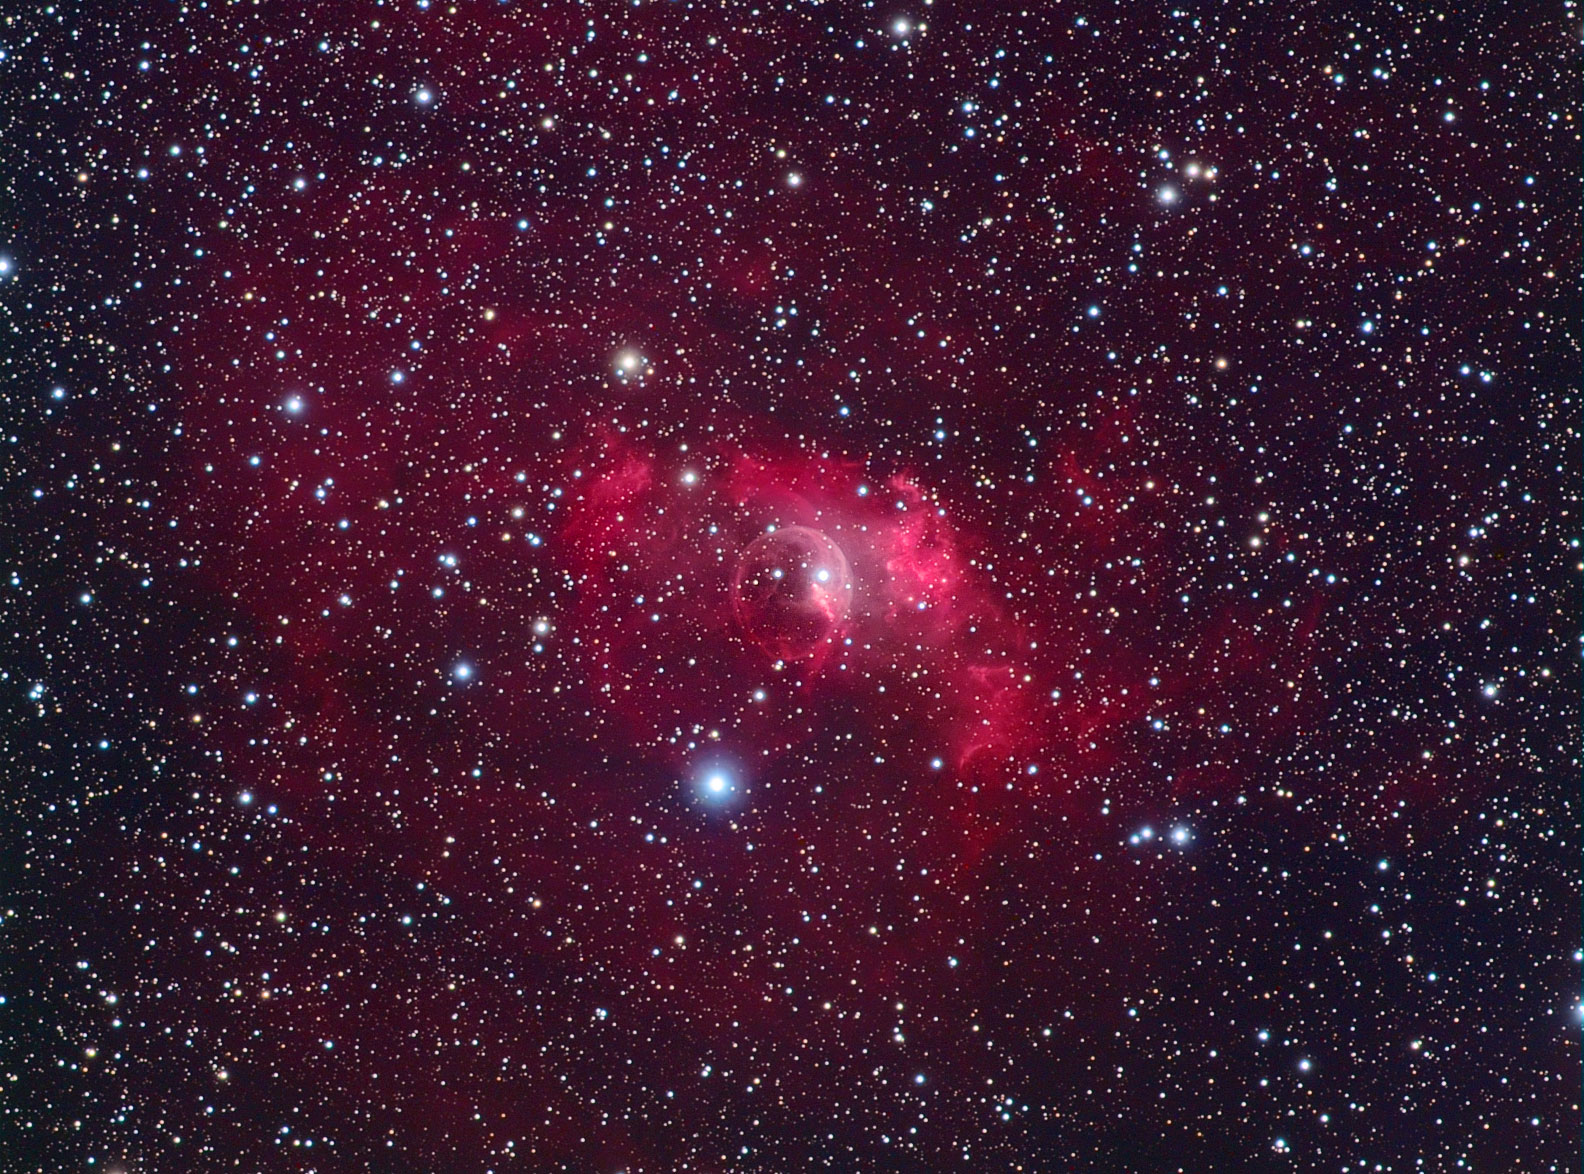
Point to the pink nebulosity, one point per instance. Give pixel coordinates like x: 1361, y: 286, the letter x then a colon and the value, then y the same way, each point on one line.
x: 703, y: 572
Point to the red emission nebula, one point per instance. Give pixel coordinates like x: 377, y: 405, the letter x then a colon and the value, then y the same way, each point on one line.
x: 683, y: 659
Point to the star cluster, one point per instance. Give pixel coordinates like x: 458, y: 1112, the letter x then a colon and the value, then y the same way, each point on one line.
x: 696, y: 586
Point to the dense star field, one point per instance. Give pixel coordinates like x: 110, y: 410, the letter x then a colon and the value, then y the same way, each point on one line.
x: 691, y: 586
